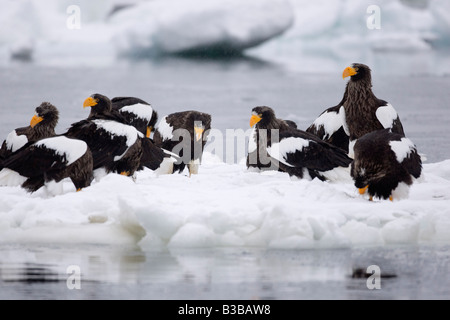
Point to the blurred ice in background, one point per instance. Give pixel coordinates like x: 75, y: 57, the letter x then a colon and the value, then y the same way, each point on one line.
x: 302, y: 35
x: 224, y: 57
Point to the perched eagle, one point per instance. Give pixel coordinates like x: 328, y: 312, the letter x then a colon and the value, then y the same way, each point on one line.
x: 385, y: 164
x: 359, y: 112
x: 51, y: 159
x: 185, y: 134
x: 115, y: 146
x: 42, y: 125
x: 137, y: 112
x: 277, y: 145
x: 140, y: 114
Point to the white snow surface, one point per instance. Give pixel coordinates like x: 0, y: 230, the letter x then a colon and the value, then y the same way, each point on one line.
x: 402, y: 148
x: 72, y: 149
x: 227, y: 205
x: 11, y: 178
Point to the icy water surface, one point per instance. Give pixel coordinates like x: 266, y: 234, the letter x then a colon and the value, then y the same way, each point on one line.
x: 34, y: 272
x: 228, y: 89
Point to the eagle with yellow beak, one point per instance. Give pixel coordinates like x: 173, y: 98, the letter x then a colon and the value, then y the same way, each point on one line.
x: 138, y: 113
x: 184, y: 134
x: 275, y: 145
x: 42, y: 125
x: 115, y: 146
x: 141, y: 115
x: 359, y: 112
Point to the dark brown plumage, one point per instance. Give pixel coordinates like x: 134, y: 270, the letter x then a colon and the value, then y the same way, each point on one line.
x: 185, y: 134
x: 291, y: 124
x: 290, y: 150
x: 383, y: 160
x: 137, y: 112
x: 53, y: 159
x: 256, y: 157
x: 115, y: 145
x: 364, y: 112
x: 140, y: 114
x: 42, y: 125
x: 358, y: 113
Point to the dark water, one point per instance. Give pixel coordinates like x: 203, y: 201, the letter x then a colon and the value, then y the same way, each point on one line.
x: 228, y: 89
x: 40, y: 272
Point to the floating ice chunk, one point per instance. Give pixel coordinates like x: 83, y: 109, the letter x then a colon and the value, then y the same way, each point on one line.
x: 227, y: 206
x: 177, y: 26
x: 22, y: 50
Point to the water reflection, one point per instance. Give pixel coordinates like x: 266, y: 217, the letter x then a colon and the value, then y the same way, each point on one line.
x: 222, y: 273
x: 29, y: 273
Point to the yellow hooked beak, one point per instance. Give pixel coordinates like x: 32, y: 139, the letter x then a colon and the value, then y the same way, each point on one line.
x: 198, y: 133
x: 348, y: 72
x: 35, y: 120
x: 363, y: 190
x: 89, y: 102
x: 254, y: 120
x: 149, y: 132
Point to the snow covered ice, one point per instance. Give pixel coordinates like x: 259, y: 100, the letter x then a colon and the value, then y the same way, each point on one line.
x: 161, y: 27
x: 145, y: 28
x: 36, y: 29
x: 227, y: 232
x: 227, y: 205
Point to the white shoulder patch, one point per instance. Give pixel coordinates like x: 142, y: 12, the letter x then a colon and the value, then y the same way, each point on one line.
x: 15, y: 142
x: 402, y: 148
x: 330, y: 121
x: 351, y: 148
x: 73, y: 149
x: 252, y: 140
x: 344, y: 120
x: 280, y: 150
x: 165, y: 129
x: 143, y: 111
x: 119, y: 129
x: 386, y: 115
